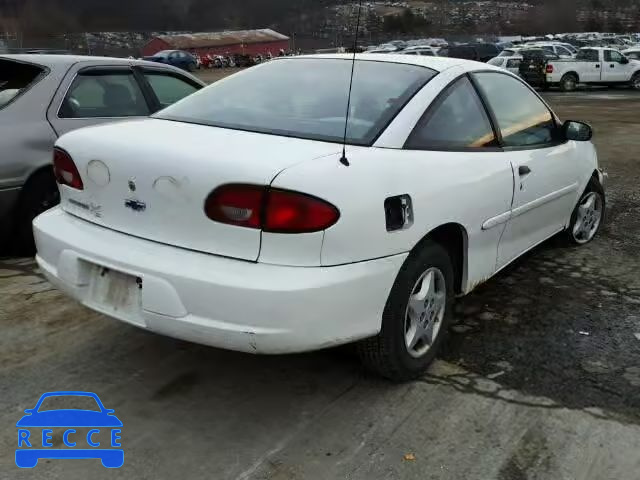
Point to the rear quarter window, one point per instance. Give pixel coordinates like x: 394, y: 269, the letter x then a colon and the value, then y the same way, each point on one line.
x: 16, y: 78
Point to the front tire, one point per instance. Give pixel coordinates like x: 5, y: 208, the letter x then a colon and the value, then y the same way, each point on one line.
x: 415, y: 319
x: 588, y: 216
x: 569, y: 83
x: 635, y: 82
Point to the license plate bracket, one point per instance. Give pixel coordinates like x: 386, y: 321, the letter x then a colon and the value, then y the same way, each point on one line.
x: 116, y: 293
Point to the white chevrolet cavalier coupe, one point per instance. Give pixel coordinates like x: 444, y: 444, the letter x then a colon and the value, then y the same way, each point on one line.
x: 274, y: 242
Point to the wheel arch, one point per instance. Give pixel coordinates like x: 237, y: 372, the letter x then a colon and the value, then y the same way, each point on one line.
x: 47, y: 168
x: 572, y: 72
x: 454, y: 239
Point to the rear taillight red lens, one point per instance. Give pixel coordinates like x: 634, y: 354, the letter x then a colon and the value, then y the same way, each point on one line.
x: 271, y: 210
x: 239, y: 205
x: 65, y: 170
x: 549, y: 69
x: 292, y: 212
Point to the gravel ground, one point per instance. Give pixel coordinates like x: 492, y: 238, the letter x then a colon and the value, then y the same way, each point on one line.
x: 540, y: 378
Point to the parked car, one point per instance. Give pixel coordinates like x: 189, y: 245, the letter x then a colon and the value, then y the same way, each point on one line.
x: 562, y: 51
x: 480, y: 52
x: 510, y: 52
x: 508, y: 63
x: 632, y: 53
x: 421, y: 50
x: 44, y: 96
x: 533, y: 66
x: 594, y: 66
x: 175, y: 58
x: 281, y: 242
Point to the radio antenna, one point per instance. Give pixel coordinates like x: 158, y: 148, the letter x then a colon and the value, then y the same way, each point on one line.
x: 343, y: 159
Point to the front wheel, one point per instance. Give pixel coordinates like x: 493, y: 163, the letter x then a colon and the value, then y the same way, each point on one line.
x: 635, y: 81
x: 415, y: 318
x: 588, y: 216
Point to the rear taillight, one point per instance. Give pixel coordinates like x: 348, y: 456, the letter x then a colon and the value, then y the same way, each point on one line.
x: 549, y: 69
x: 65, y: 170
x: 271, y: 210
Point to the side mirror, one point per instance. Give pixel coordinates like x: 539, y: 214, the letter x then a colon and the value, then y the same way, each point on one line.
x: 577, y: 131
x: 29, y: 411
x: 624, y: 60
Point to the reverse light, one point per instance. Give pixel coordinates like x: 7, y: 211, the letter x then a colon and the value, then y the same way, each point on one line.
x: 268, y: 209
x: 65, y: 170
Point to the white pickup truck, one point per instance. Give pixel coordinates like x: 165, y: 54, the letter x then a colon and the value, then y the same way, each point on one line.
x: 594, y: 66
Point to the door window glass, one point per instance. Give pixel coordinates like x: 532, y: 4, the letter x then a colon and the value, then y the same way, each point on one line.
x: 15, y: 78
x: 168, y: 88
x: 523, y: 119
x: 456, y: 121
x: 104, y: 95
x: 513, y: 63
x: 588, y: 55
x: 612, y: 56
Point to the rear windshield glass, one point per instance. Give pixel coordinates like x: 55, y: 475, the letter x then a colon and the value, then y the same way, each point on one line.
x: 306, y: 98
x: 15, y: 78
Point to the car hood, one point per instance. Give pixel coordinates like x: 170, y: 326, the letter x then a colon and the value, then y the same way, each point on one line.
x: 69, y: 418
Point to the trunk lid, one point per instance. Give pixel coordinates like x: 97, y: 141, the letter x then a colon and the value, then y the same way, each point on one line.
x: 150, y: 178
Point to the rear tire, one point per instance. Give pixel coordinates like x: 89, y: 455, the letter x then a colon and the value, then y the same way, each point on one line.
x: 569, y: 83
x: 39, y: 195
x: 389, y: 354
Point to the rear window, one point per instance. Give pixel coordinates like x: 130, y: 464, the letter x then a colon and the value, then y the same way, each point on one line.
x: 15, y: 78
x: 306, y: 98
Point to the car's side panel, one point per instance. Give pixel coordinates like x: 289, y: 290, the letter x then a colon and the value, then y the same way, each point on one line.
x: 25, y: 135
x: 542, y: 200
x: 445, y: 187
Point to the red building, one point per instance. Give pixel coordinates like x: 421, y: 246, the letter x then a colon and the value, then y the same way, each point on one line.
x: 251, y: 42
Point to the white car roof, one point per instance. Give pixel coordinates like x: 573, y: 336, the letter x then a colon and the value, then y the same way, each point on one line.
x: 439, y: 64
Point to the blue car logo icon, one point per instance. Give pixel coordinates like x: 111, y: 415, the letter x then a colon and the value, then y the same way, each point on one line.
x: 85, y: 433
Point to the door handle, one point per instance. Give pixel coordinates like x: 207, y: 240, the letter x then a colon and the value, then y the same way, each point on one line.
x: 612, y: 66
x: 524, y: 170
x: 598, y: 66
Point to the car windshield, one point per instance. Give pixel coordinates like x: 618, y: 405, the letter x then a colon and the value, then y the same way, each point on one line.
x: 69, y: 402
x: 306, y: 98
x: 16, y: 77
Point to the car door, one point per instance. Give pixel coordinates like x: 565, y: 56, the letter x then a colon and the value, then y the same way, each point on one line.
x: 91, y: 95
x: 613, y: 68
x: 545, y: 176
x: 458, y: 173
x: 590, y: 67
x: 174, y: 59
x: 513, y: 65
x: 166, y: 86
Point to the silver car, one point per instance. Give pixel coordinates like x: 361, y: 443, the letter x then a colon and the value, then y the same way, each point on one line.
x: 45, y: 96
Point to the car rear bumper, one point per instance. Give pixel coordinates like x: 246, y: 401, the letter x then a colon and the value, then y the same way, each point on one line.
x: 222, y: 302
